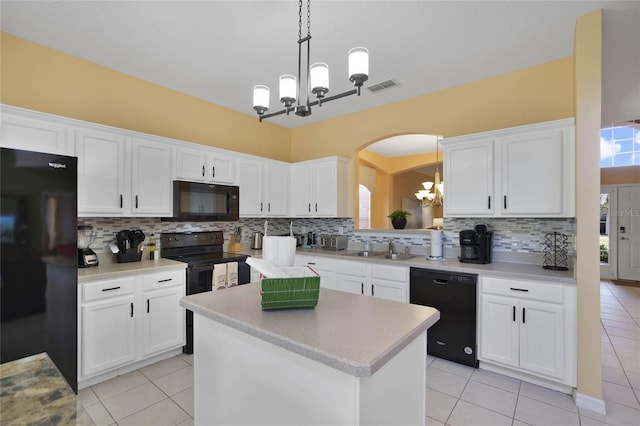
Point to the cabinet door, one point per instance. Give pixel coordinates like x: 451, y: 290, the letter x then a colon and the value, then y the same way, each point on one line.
x: 350, y: 284
x: 542, y: 339
x: 388, y: 290
x: 250, y: 182
x: 277, y: 190
x: 103, y: 174
x: 302, y: 191
x: 108, y: 335
x: 33, y: 135
x: 222, y: 168
x: 162, y: 320
x: 191, y: 164
x: 531, y: 168
x: 325, y: 187
x: 499, y: 328
x: 151, y: 178
x: 468, y: 178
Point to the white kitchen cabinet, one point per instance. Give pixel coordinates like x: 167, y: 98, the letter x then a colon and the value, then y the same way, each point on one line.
x: 320, y: 188
x: 377, y: 280
x: 324, y: 266
x: 151, y: 189
x: 107, y: 325
x: 525, y: 171
x: 32, y: 134
x: 204, y: 165
x: 119, y: 176
x: 529, y: 327
x: 263, y: 188
x: 104, y: 173
x: 127, y: 320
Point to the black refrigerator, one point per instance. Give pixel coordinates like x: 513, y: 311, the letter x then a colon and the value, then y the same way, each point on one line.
x: 38, y: 258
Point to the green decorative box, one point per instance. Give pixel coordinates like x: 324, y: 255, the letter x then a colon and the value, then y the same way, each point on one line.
x: 298, y: 291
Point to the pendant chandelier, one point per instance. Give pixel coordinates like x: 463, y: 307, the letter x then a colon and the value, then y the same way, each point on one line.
x: 316, y: 76
x: 431, y: 195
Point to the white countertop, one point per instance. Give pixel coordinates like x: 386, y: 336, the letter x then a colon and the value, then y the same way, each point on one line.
x: 108, y: 270
x: 352, y: 333
x: 524, y: 271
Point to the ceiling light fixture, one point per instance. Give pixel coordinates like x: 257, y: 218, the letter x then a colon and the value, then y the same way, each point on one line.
x: 316, y: 76
x: 431, y: 195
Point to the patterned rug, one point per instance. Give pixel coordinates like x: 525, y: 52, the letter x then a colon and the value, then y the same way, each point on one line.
x: 627, y: 283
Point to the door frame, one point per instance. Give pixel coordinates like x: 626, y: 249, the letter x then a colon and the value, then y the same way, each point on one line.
x: 609, y: 270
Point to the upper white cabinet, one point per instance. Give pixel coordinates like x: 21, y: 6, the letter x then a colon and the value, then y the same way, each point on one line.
x: 204, y: 165
x: 119, y: 176
x: 263, y: 187
x: 32, y: 134
x: 524, y: 171
x: 320, y: 188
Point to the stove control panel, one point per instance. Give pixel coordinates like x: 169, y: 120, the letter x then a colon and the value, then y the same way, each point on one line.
x: 191, y: 239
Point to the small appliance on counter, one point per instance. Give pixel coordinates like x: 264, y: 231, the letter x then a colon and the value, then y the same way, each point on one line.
x: 476, y: 245
x: 130, y: 245
x: 256, y: 241
x: 86, y: 256
x: 334, y: 242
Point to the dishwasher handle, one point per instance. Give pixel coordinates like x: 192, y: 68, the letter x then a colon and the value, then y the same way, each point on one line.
x: 440, y: 282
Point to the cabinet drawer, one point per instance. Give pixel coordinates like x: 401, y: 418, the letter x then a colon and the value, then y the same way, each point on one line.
x: 523, y: 289
x: 163, y: 279
x: 351, y: 268
x: 389, y: 273
x: 316, y: 263
x: 105, y: 289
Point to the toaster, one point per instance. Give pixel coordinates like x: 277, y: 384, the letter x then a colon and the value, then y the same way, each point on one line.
x: 333, y: 242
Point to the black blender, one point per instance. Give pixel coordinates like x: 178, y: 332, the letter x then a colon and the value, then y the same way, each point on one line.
x: 86, y: 256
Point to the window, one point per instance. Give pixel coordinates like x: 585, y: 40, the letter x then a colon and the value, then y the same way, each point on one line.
x: 620, y: 146
x: 364, y: 217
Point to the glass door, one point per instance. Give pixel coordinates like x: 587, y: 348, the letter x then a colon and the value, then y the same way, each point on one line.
x: 608, y: 234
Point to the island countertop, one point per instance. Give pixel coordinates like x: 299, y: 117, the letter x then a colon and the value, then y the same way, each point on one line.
x: 352, y: 333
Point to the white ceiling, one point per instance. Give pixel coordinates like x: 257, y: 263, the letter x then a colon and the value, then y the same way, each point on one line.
x: 217, y: 50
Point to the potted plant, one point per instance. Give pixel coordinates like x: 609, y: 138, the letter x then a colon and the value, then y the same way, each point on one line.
x: 399, y: 218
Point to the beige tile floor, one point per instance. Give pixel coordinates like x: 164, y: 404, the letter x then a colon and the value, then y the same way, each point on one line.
x: 457, y: 395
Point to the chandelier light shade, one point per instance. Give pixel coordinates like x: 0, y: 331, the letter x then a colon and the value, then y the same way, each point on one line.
x: 316, y: 81
x: 431, y: 195
x: 260, y: 98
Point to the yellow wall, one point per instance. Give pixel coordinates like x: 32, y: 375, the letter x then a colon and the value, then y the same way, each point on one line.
x: 587, y: 54
x: 619, y: 175
x: 42, y: 79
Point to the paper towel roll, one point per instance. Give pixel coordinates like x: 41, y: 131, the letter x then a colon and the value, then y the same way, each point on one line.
x: 280, y: 251
x: 437, y: 239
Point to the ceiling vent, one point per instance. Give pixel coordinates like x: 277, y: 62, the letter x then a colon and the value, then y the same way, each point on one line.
x: 384, y: 85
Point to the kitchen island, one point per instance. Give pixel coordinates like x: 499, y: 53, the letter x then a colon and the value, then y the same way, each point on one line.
x: 352, y: 360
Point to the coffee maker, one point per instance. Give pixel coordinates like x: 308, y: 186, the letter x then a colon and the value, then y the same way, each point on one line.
x: 476, y: 245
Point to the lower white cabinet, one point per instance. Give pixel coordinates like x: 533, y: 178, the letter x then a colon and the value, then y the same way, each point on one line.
x: 383, y: 281
x: 126, y: 320
x: 529, y: 327
x: 324, y: 266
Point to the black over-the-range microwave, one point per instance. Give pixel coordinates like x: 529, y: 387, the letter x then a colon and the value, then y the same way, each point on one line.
x: 193, y: 201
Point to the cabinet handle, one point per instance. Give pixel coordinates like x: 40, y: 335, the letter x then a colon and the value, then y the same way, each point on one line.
x: 203, y: 170
x: 269, y: 207
x: 361, y: 288
x: 489, y: 202
x: 136, y: 201
x: 514, y: 313
x: 120, y: 200
x: 132, y: 310
x: 311, y: 263
x: 523, y: 318
x: 309, y: 207
x: 213, y: 171
x: 147, y: 305
x: 373, y: 293
x: 165, y: 280
x: 518, y: 289
x: 261, y: 206
x: 316, y: 207
x: 505, y: 202
x: 110, y: 289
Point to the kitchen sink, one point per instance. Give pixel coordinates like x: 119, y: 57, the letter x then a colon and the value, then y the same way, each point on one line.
x: 365, y: 254
x: 398, y: 256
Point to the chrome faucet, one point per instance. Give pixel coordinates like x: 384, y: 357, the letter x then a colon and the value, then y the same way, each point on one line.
x: 390, y: 246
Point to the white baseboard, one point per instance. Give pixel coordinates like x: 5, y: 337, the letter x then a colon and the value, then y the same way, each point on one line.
x: 590, y: 403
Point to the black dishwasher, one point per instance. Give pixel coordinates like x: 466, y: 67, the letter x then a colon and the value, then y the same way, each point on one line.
x: 453, y: 337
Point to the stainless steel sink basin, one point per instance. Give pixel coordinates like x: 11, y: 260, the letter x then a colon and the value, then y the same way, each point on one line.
x: 365, y: 254
x: 398, y: 256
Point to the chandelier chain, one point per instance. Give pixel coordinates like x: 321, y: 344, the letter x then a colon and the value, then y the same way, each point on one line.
x: 309, y: 17
x: 299, y: 20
